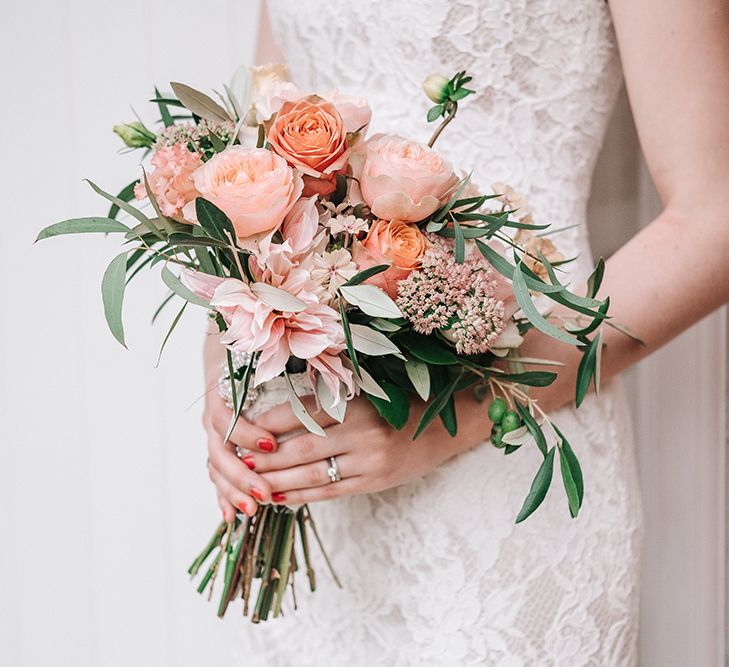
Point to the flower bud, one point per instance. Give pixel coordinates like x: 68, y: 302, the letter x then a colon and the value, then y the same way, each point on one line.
x: 135, y: 135
x: 435, y: 88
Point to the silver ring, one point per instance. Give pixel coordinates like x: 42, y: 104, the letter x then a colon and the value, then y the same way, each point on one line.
x: 333, y: 470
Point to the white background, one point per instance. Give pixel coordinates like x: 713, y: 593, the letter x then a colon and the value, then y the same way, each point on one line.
x: 104, y: 498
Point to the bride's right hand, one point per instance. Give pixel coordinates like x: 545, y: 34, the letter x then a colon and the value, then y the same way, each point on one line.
x: 238, y: 487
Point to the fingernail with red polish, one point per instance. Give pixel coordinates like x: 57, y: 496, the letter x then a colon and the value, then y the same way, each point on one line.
x: 257, y: 494
x: 265, y: 444
x: 248, y: 460
x: 278, y: 497
x: 243, y: 508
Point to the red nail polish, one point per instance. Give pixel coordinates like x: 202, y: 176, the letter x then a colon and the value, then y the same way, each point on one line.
x: 257, y: 494
x: 265, y: 444
x: 278, y: 497
x: 248, y: 460
x: 243, y: 508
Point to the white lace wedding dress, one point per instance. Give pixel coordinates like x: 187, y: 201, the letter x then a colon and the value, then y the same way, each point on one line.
x: 436, y: 572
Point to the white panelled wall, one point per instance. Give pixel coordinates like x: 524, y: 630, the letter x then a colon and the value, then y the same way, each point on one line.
x: 104, y: 498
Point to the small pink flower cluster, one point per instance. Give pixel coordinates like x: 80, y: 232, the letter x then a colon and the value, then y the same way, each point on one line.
x: 459, y: 300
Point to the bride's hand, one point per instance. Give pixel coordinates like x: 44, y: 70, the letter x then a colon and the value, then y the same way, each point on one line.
x: 237, y: 486
x: 371, y: 455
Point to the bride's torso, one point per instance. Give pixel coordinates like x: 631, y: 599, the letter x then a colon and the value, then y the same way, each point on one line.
x: 436, y: 571
x: 546, y: 73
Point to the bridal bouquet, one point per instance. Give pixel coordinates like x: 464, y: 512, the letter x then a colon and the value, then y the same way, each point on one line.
x: 337, y: 264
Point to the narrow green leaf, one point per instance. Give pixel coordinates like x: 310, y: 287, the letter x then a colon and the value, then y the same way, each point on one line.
x: 366, y: 274
x: 420, y: 377
x: 460, y: 244
x: 586, y: 369
x: 539, y: 488
x: 82, y: 226
x: 177, y: 286
x: 169, y: 332
x: 574, y: 464
x: 533, y: 315
x: 127, y: 208
x: 161, y: 306
x: 126, y: 194
x: 570, y: 487
x: 371, y: 342
x: 436, y: 405
x: 112, y: 293
x: 534, y: 428
x: 199, y: 103
x: 348, y: 337
x: 530, y: 378
x: 301, y: 412
x: 163, y: 110
x: 595, y: 279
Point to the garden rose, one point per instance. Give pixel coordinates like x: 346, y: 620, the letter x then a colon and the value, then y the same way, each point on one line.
x: 310, y: 135
x: 396, y: 243
x: 402, y: 179
x: 254, y: 187
x: 171, y: 179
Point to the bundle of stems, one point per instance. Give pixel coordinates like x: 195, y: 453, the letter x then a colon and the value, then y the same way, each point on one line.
x: 259, y: 552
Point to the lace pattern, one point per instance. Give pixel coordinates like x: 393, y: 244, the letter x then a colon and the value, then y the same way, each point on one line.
x: 436, y: 572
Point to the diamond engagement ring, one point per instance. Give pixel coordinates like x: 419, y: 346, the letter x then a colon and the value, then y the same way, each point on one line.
x: 333, y: 470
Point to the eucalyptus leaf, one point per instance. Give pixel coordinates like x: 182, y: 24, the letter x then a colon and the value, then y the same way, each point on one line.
x: 370, y: 300
x: 326, y: 400
x: 127, y: 208
x: 82, y: 226
x: 177, y: 286
x: 164, y: 112
x: 539, y: 487
x: 112, y: 293
x: 199, y: 103
x: 595, y: 279
x: 371, y: 342
x: 301, y: 412
x: 126, y: 194
x: 169, y: 332
x: 533, y: 315
x: 277, y: 298
x: 460, y: 244
x: 369, y: 385
x: 420, y: 377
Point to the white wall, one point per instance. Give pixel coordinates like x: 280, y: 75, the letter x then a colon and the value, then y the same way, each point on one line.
x: 104, y: 496
x: 103, y: 492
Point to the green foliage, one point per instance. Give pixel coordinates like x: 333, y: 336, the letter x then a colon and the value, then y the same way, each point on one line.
x: 112, y: 293
x: 539, y: 487
x: 396, y: 411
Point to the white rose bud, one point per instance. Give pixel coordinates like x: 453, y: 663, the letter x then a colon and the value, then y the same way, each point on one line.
x: 435, y: 87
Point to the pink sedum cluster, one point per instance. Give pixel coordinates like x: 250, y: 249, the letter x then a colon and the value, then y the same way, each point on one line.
x: 459, y: 300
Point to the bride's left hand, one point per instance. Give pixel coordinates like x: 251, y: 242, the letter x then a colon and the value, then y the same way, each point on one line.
x: 371, y: 455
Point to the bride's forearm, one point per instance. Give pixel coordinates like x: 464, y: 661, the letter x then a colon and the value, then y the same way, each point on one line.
x: 666, y: 278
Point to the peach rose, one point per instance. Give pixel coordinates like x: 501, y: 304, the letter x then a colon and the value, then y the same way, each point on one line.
x: 396, y: 243
x: 254, y: 187
x: 402, y: 179
x: 310, y: 135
